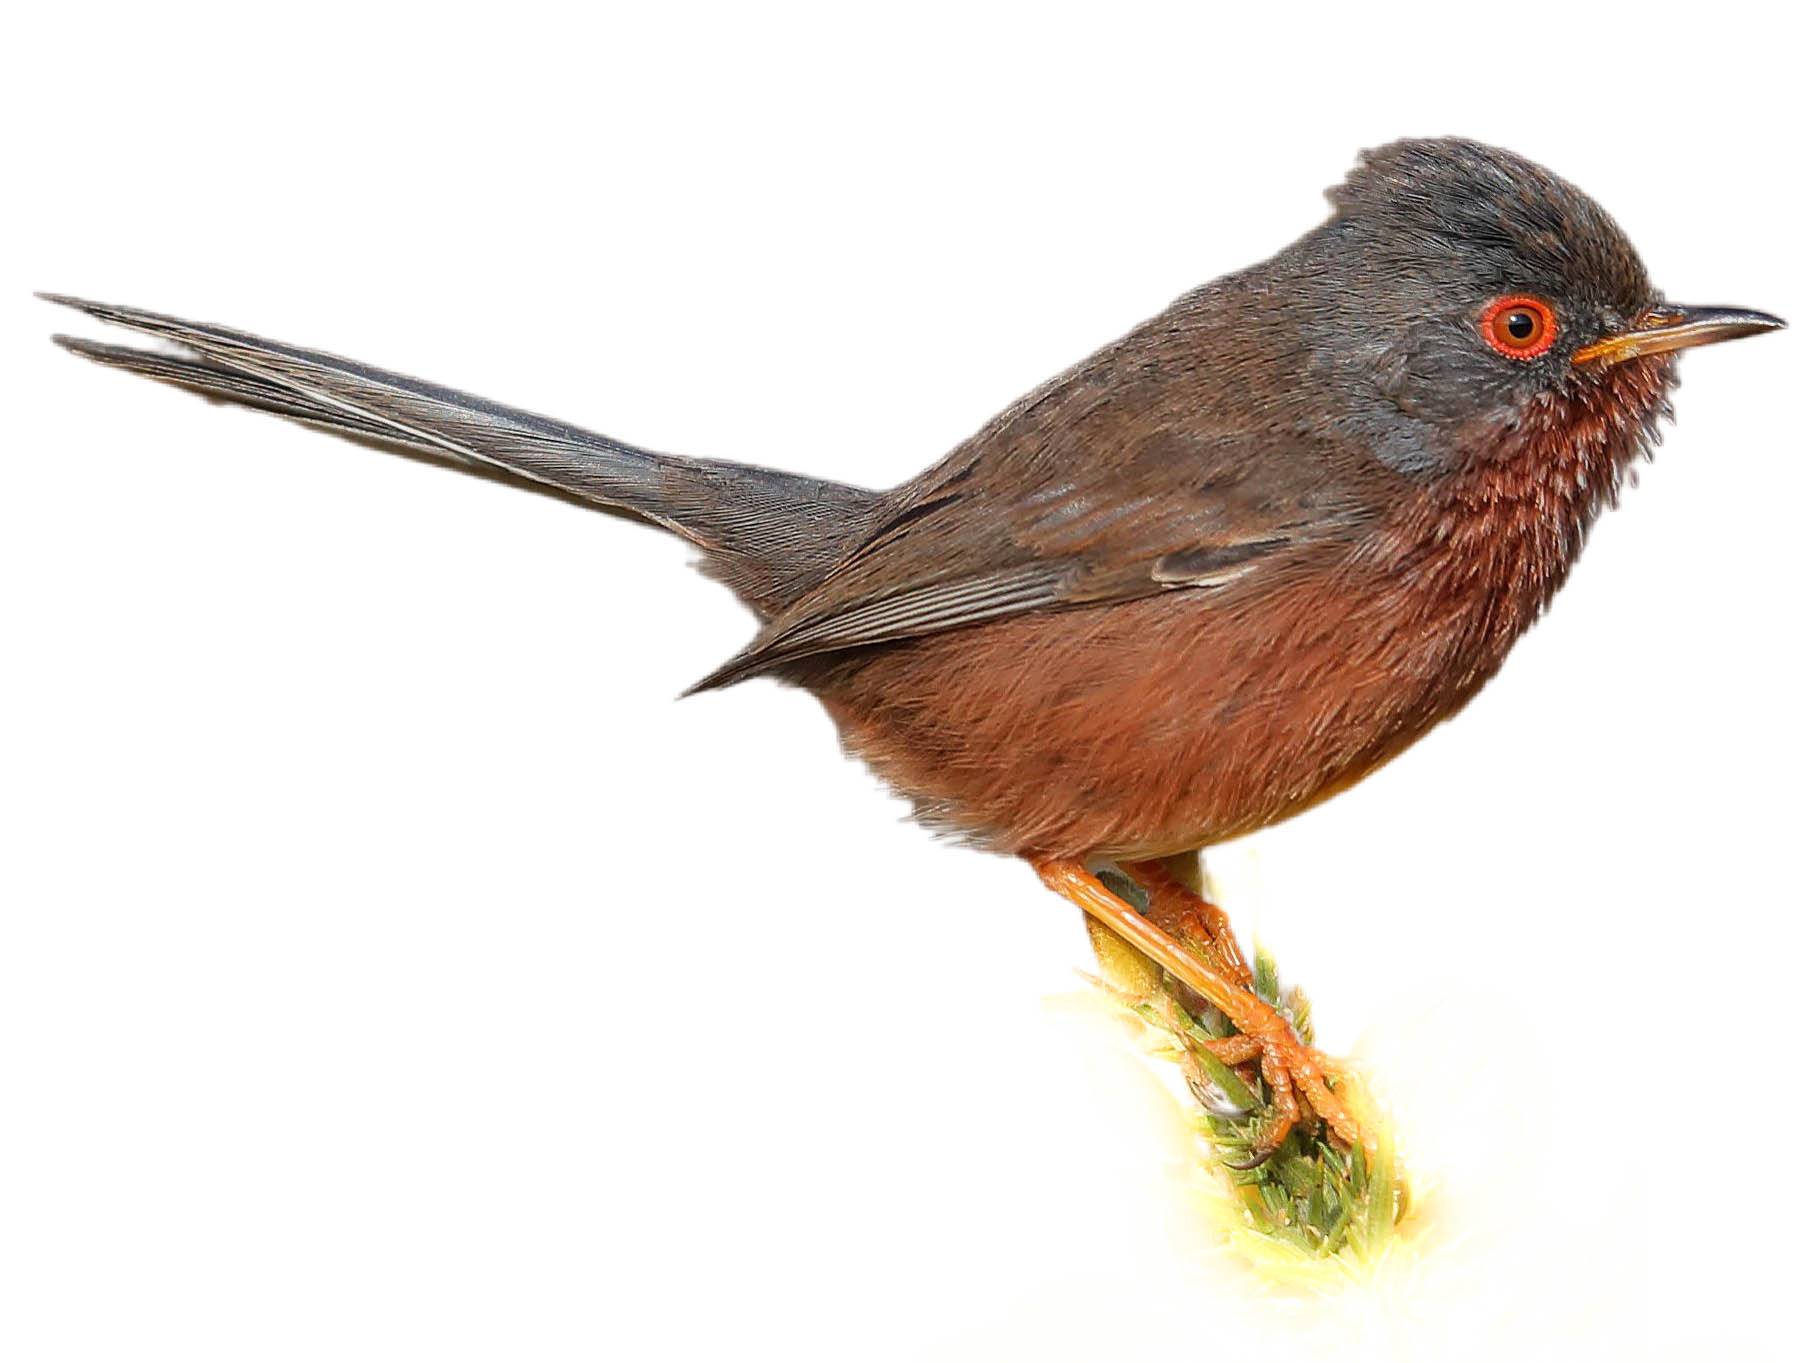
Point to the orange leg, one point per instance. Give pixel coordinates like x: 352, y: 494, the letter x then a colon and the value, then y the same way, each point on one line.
x: 1295, y: 1072
x: 1181, y: 913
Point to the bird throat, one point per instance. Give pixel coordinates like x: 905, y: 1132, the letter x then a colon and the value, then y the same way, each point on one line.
x: 1485, y: 547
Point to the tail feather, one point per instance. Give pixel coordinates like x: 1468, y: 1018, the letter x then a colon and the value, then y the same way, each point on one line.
x: 767, y: 534
x: 245, y: 390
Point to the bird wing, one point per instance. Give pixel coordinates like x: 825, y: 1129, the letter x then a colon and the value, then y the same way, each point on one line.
x: 1116, y: 481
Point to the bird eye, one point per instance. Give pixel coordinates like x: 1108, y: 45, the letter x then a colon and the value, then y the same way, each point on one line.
x: 1519, y: 326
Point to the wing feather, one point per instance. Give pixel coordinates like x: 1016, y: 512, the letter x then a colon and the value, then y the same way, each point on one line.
x: 1137, y: 472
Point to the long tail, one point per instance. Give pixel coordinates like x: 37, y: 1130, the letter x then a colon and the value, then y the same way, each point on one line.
x: 768, y: 535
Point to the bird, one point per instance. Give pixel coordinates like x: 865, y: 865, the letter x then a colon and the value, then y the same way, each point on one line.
x: 1210, y: 576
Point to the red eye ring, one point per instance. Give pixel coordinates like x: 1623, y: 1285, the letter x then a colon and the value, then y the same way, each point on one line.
x: 1520, y: 326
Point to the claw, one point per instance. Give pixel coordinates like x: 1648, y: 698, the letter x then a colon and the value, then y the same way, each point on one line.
x: 1216, y: 1101
x: 1256, y: 1161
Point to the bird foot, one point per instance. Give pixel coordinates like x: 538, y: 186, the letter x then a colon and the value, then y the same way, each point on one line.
x: 1302, y: 1081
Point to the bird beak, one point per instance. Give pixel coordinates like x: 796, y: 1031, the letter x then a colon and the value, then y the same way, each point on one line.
x: 1672, y: 326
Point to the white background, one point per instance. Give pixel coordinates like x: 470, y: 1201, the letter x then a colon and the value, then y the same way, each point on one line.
x: 390, y: 969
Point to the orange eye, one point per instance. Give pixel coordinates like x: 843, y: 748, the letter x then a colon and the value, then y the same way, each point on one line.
x: 1519, y: 326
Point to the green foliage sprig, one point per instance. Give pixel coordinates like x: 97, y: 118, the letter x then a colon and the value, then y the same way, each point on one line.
x: 1313, y: 1195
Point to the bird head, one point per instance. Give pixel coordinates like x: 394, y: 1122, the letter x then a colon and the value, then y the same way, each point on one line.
x: 1470, y: 287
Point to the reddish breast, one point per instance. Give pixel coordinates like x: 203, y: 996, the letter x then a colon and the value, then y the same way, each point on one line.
x: 1164, y: 724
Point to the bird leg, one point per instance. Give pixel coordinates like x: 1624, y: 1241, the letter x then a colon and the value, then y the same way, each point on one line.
x: 1294, y: 1071
x: 1184, y: 915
